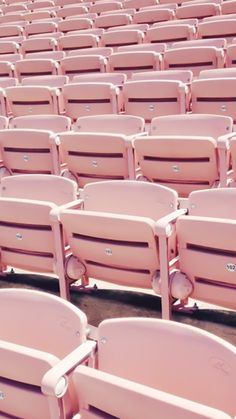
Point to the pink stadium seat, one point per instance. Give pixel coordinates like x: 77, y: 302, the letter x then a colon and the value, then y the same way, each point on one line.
x: 128, y: 125
x: 137, y: 4
x: 29, y: 151
x: 185, y: 76
x: 42, y: 4
x: 10, y: 18
x: 154, y: 15
x: 50, y: 81
x: 150, y: 98
x: 131, y: 387
x: 84, y: 64
x: 117, y: 38
x: 32, y: 100
x: 7, y: 69
x: 206, y: 252
x: 40, y: 27
x: 37, y: 15
x: 8, y: 47
x: 47, y: 55
x: 185, y: 152
x: 113, y: 237
x: 197, y: 10
x: 118, y: 79
x: 228, y: 7
x: 72, y: 10
x: 92, y: 157
x: 191, y: 22
x: 214, y: 96
x: 217, y: 72
x: 130, y: 62
x: 4, y: 122
x: 112, y: 20
x: 225, y: 28
x: 170, y: 33
x: 105, y: 6
x: 158, y: 48
x: 91, y: 99
x: 74, y: 24
x: 33, y: 45
x: 7, y: 31
x: 209, y: 42
x: 8, y: 81
x: 104, y: 51
x: 230, y: 56
x: 194, y: 58
x: 55, y: 123
x: 44, y: 346
x: 232, y: 172
x: 142, y: 27
x: 13, y: 8
x: 71, y: 42
x: 35, y: 67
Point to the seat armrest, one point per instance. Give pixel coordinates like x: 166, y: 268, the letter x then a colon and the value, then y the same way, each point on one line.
x: 54, y: 382
x: 163, y: 226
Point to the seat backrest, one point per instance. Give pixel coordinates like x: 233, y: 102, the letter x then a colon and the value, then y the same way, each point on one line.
x: 217, y: 72
x: 170, y: 33
x: 135, y: 61
x: 199, y: 10
x: 83, y: 64
x: 118, y: 79
x: 224, y: 28
x: 137, y: 344
x: 217, y: 203
x: 192, y: 124
x: 109, y: 395
x: 49, y: 188
x: 41, y: 313
x: 194, y: 58
x: 185, y: 76
x: 123, y: 197
x: 214, y: 42
x: 22, y: 155
x: 50, y: 329
x: 215, y: 96
x: 55, y: 80
x: 150, y: 98
x: 123, y: 124
x: 55, y: 123
x: 90, y: 98
x: 28, y: 100
x: 160, y: 48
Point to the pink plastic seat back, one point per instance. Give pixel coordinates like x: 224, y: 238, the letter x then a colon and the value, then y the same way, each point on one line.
x: 28, y: 356
x: 170, y: 33
x: 192, y: 124
x: 90, y: 98
x: 83, y: 64
x: 123, y: 124
x: 91, y: 157
x: 150, y: 98
x: 224, y: 28
x: 114, y: 238
x: 49, y: 188
x: 123, y: 197
x: 135, y: 61
x: 32, y: 100
x: 214, y: 96
x: 150, y: 341
x: 207, y: 246
x: 55, y: 123
x: 22, y: 155
x: 103, y: 393
x: 184, y: 163
x: 194, y: 58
